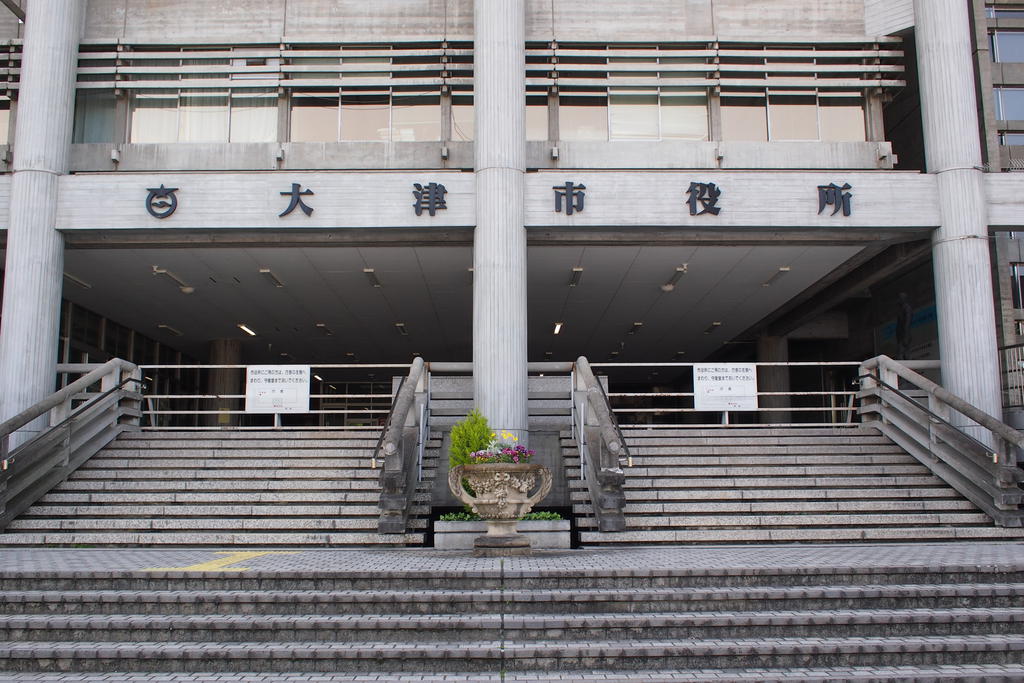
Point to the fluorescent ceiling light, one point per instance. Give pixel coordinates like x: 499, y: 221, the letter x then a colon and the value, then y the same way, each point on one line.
x: 185, y: 287
x: 558, y: 328
x: 401, y: 329
x: 574, y: 279
x: 168, y: 328
x: 636, y: 328
x: 244, y: 328
x: 671, y: 284
x: 78, y: 281
x: 323, y: 328
x: 371, y: 275
x: 318, y: 378
x: 713, y: 326
x: 274, y: 280
x: 779, y: 273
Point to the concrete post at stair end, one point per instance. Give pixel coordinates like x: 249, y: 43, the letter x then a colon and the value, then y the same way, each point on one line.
x: 222, y: 381
x: 773, y: 378
x: 499, y: 240
x: 960, y: 250
x: 33, y: 275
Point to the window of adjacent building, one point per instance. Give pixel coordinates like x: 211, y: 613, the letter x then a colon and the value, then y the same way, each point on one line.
x: 1004, y: 13
x: 242, y: 115
x: 1011, y: 139
x: 1007, y: 46
x: 1009, y: 103
x: 1019, y: 327
x: 1017, y: 284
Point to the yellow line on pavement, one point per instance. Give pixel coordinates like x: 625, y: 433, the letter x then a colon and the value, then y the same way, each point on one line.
x: 221, y: 564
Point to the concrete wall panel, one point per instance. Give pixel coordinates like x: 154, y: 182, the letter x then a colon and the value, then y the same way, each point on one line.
x: 645, y: 22
x: 104, y: 19
x: 788, y: 19
x: 242, y: 21
x: 885, y: 17
x: 359, y: 21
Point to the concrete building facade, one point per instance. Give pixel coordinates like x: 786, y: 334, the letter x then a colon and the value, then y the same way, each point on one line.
x: 504, y: 180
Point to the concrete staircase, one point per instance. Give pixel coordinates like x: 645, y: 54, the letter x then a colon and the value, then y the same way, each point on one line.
x: 194, y: 488
x: 761, y: 485
x: 805, y: 623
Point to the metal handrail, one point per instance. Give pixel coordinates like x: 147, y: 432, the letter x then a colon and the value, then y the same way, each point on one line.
x: 55, y: 399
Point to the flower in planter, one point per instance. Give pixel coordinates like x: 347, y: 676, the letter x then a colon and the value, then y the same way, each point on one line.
x: 503, y: 448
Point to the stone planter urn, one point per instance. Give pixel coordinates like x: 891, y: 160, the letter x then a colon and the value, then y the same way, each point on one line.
x: 502, y: 497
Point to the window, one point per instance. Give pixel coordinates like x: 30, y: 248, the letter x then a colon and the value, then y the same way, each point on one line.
x: 365, y: 116
x: 1003, y: 13
x: 583, y: 117
x: 668, y: 113
x: 1007, y: 46
x: 1011, y: 138
x: 463, y: 123
x: 1009, y: 104
x: 1017, y: 284
x: 94, y: 116
x: 239, y: 115
x: 791, y: 115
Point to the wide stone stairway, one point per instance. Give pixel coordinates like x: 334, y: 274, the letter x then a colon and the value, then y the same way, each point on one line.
x: 597, y: 615
x: 765, y: 485
x: 225, y: 488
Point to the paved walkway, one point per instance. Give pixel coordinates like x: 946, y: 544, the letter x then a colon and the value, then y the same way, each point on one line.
x: 722, y: 558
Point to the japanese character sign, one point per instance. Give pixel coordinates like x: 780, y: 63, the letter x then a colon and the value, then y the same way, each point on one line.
x: 296, y: 200
x: 572, y: 194
x: 706, y: 196
x: 429, y: 198
x: 161, y: 201
x: 835, y: 196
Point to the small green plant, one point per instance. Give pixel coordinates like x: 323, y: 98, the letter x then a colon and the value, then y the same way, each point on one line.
x: 543, y: 516
x: 473, y: 517
x: 468, y: 436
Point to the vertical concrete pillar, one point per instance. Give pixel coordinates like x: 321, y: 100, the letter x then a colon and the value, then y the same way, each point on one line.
x: 960, y: 251
x: 225, y: 381
x: 499, y: 241
x: 35, y: 250
x: 773, y: 378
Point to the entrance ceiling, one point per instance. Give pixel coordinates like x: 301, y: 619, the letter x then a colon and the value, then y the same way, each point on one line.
x: 328, y: 307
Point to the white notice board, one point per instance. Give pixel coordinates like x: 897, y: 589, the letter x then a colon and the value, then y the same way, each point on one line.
x: 277, y: 389
x: 723, y: 387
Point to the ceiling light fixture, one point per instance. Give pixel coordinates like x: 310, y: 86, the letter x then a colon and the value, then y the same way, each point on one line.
x: 401, y: 329
x: 78, y: 281
x: 185, y: 287
x: 245, y: 328
x: 713, y: 326
x: 671, y: 284
x: 574, y: 279
x: 779, y: 273
x: 678, y: 355
x: 636, y: 328
x: 558, y: 328
x: 318, y: 378
x: 371, y: 275
x: 323, y: 328
x: 274, y: 280
x: 169, y: 329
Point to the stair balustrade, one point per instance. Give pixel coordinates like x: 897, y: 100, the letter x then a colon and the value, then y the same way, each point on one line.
x: 80, y: 424
x: 602, y: 448
x: 400, y: 449
x: 984, y: 470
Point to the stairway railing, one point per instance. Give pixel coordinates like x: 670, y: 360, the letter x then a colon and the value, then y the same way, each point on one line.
x: 602, y: 448
x: 400, y: 451
x: 984, y: 470
x: 75, y: 434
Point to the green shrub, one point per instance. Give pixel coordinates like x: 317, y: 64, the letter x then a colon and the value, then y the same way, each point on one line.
x: 473, y: 517
x: 543, y: 516
x: 468, y: 436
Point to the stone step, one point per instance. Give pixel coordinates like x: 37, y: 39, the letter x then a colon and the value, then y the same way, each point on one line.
x: 519, y: 627
x: 239, y: 442
x: 686, y: 459
x: 791, y: 482
x: 518, y: 656
x: 242, y: 433
x: 769, y: 470
x: 175, y: 455
x: 788, y: 535
x: 893, y: 493
x: 188, y: 485
x: 127, y: 466
x: 726, y: 439
x: 794, y: 519
x: 988, y: 673
x: 184, y: 511
x: 748, y: 431
x: 181, y: 474
x: 763, y: 451
x: 791, y: 507
x: 194, y: 523
x: 277, y: 497
x: 200, y: 538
